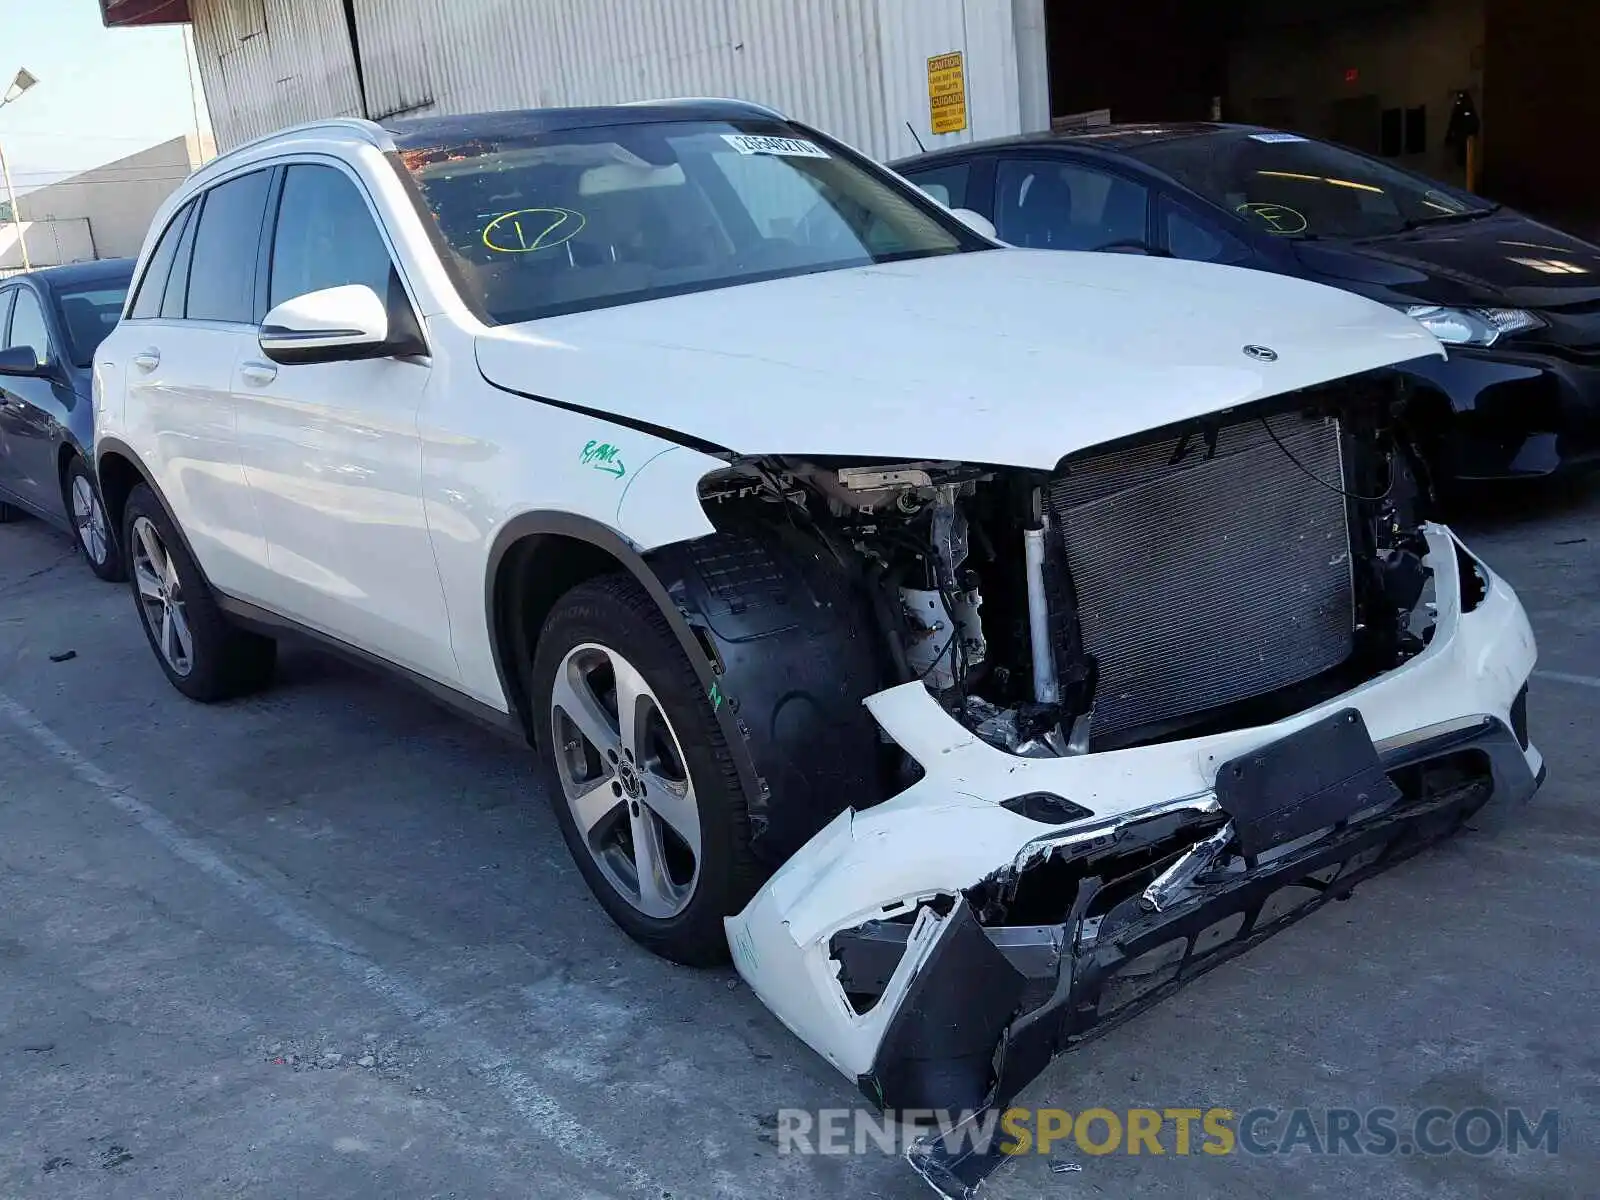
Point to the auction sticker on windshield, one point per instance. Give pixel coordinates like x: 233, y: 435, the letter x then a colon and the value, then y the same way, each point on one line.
x: 750, y: 143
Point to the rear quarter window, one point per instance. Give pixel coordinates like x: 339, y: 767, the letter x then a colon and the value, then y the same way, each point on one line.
x: 947, y: 184
x: 153, y: 284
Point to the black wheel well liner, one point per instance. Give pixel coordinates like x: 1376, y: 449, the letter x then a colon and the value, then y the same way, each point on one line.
x: 65, y: 453
x: 775, y: 637
x: 537, y: 558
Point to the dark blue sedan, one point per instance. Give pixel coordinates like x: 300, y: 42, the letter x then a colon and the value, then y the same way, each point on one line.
x: 51, y: 322
x: 1516, y: 302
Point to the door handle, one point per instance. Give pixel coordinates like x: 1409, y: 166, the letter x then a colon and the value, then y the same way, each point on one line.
x: 147, y: 360
x: 258, y: 373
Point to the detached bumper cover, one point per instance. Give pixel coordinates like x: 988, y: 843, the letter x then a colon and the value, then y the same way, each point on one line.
x: 939, y: 949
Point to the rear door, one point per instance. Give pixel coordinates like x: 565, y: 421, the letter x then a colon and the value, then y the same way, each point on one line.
x: 195, y: 315
x: 33, y: 409
x: 331, y: 449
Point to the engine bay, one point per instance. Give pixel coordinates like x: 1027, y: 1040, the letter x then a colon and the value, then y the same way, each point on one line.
x: 1210, y: 575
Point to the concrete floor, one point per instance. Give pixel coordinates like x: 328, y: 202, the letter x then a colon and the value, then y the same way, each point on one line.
x: 328, y: 941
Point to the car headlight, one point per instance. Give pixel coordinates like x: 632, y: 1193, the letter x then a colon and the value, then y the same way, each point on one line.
x: 1471, y: 326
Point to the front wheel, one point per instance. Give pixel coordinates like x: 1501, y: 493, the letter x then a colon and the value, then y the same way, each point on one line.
x: 88, y: 515
x: 646, y: 791
x: 203, y: 655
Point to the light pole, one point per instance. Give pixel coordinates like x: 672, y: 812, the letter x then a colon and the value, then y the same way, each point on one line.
x: 20, y: 84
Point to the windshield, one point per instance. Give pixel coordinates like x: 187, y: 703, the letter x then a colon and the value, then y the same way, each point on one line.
x: 586, y: 218
x: 1292, y: 186
x: 89, y: 312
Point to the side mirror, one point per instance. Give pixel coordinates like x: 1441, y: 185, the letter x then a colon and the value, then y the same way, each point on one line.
x: 976, y: 222
x: 333, y: 325
x: 21, y: 360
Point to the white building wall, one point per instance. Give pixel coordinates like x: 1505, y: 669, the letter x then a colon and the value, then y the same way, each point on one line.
x: 856, y: 68
x: 113, y: 202
x: 50, y: 244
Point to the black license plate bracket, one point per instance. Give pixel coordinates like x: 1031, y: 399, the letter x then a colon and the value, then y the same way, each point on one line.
x: 1316, y: 777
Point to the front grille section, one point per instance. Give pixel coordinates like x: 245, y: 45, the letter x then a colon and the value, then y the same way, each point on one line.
x: 1208, y: 569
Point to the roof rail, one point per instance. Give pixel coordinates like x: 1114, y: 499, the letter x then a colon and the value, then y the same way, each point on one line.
x: 763, y: 109
x: 368, y: 131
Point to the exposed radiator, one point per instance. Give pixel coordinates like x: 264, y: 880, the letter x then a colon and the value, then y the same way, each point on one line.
x: 1213, y: 579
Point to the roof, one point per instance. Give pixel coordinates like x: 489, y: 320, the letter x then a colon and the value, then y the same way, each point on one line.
x: 1104, y: 137
x: 427, y: 133
x: 417, y: 133
x: 115, y: 13
x: 82, y: 272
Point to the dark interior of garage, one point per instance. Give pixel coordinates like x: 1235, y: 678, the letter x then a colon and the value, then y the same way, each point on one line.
x: 1405, y: 80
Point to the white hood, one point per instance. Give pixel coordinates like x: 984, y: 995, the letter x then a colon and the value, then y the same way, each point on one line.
x: 1013, y: 357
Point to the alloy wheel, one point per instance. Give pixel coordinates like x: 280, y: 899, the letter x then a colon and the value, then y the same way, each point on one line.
x: 90, y: 520
x: 625, y: 779
x: 161, y: 597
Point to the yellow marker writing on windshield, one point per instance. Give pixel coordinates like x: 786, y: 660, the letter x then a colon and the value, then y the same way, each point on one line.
x: 1279, y: 218
x: 529, y: 229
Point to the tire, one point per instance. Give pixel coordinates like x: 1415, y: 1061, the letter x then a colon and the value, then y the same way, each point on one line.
x: 610, y: 628
x: 223, y: 661
x: 101, y: 548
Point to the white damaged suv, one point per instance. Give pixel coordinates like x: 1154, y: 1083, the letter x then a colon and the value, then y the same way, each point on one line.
x: 980, y: 641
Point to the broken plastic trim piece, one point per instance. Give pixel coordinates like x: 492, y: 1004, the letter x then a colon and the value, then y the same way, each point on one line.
x: 1173, y: 884
x: 938, y: 1050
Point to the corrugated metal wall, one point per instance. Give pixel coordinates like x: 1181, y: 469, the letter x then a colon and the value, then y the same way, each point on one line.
x: 265, y: 64
x: 396, y: 57
x: 857, y: 68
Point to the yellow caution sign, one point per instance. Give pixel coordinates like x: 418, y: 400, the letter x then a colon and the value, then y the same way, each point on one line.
x: 947, y: 93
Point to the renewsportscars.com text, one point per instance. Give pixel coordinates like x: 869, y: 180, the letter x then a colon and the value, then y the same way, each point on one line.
x: 1177, y: 1131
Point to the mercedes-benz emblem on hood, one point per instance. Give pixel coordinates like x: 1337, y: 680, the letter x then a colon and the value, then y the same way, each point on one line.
x: 1261, y: 353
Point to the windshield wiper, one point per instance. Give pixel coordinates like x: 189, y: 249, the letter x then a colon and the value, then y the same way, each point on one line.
x: 1471, y: 214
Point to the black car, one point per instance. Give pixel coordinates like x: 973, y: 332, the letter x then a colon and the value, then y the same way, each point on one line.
x: 1518, y: 303
x: 51, y: 322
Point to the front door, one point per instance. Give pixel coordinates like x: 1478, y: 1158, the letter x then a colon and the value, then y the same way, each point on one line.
x: 32, y: 410
x: 331, y: 449
x: 1054, y: 204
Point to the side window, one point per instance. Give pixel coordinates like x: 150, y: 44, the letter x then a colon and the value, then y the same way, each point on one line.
x: 222, y: 275
x: 326, y: 237
x: 947, y: 184
x: 176, y: 297
x: 28, y: 326
x: 148, y: 301
x: 1065, y: 206
x: 5, y: 312
x: 1190, y: 237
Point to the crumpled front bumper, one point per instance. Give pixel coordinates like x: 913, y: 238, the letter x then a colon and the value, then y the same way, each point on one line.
x: 889, y: 943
